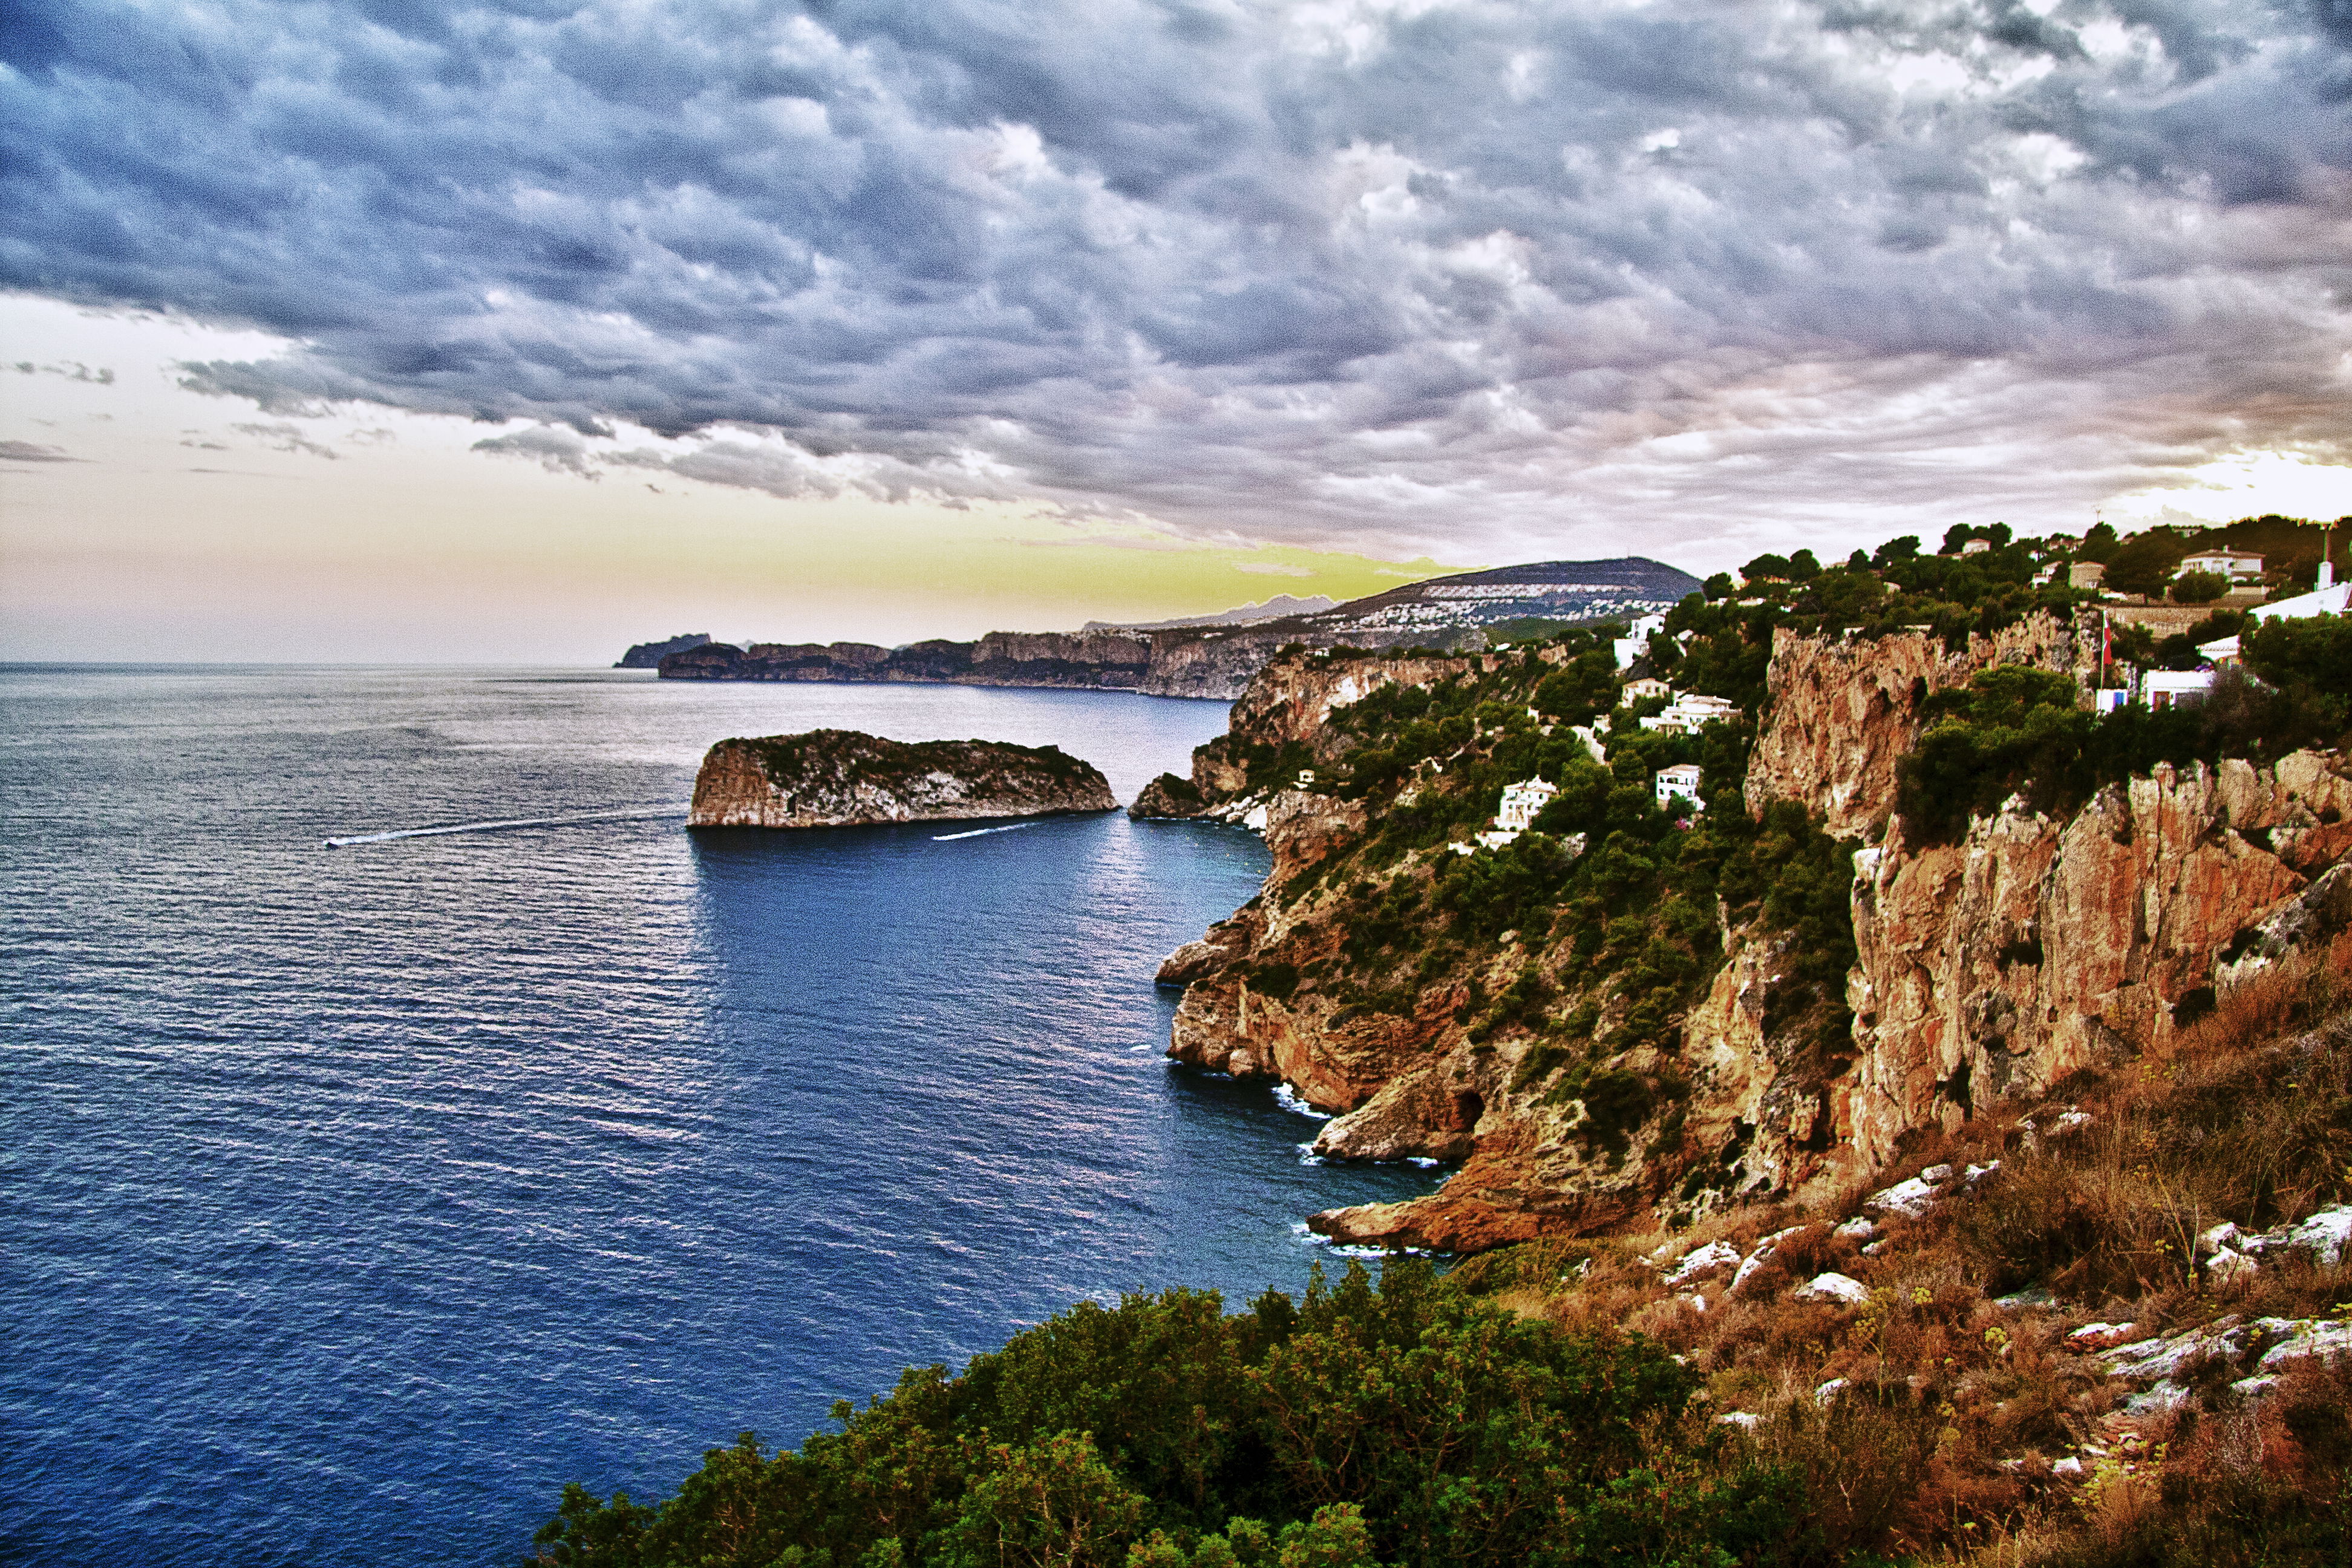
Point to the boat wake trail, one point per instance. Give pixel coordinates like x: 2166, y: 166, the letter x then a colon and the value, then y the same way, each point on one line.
x: 625, y: 814
x: 1008, y: 827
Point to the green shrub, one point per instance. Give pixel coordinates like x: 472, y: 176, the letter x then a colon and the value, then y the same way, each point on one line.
x: 2199, y: 587
x: 1405, y: 1423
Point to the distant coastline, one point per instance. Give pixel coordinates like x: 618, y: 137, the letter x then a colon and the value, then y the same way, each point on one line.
x: 649, y: 655
x: 1215, y: 657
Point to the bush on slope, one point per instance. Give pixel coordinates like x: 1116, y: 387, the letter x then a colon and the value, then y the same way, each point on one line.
x: 1402, y: 1423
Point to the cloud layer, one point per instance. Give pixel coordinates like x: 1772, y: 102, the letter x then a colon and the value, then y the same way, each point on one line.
x: 1459, y: 276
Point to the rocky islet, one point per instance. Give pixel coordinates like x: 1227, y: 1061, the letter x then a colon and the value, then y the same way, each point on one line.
x: 843, y: 778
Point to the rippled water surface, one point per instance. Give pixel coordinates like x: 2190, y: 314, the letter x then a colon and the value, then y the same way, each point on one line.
x: 356, y: 1199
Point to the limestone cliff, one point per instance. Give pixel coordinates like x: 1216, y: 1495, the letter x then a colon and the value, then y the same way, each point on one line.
x: 1000, y: 659
x: 1984, y: 968
x: 649, y: 655
x: 1846, y: 711
x: 1214, y: 662
x: 838, y: 778
x: 2035, y: 946
x: 1290, y: 704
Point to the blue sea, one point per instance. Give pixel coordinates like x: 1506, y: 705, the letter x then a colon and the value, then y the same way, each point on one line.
x: 355, y: 1199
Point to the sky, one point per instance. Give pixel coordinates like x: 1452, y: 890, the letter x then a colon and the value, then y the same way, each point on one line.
x: 375, y: 330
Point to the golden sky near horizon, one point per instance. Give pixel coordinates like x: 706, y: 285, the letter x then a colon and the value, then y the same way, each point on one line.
x: 173, y: 526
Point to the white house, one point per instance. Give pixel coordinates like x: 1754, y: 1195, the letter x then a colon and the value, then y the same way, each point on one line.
x: 1976, y: 547
x: 2237, y: 566
x: 1636, y: 640
x: 1522, y: 802
x: 2220, y: 653
x: 2086, y: 573
x: 2175, y: 688
x: 2328, y: 601
x: 1648, y: 685
x: 1682, y: 779
x: 1688, y: 711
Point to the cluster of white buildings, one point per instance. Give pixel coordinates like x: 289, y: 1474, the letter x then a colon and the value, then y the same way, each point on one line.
x: 2187, y: 688
x: 1684, y: 714
x: 1524, y: 802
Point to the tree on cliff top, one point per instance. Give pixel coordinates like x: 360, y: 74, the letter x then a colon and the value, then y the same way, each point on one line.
x: 2308, y: 663
x: 2143, y: 564
x: 2016, y: 730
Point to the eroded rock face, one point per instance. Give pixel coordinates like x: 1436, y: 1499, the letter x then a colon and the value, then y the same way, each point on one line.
x: 1302, y: 829
x: 1291, y: 701
x: 1228, y: 941
x: 2035, y: 947
x: 1986, y: 968
x: 1844, y: 712
x: 840, y: 778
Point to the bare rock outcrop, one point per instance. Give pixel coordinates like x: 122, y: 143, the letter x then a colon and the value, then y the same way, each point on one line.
x: 1291, y: 701
x: 1229, y: 940
x: 2034, y: 947
x: 1843, y: 712
x: 839, y: 778
x: 1303, y: 827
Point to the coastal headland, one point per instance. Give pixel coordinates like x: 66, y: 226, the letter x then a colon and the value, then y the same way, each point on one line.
x: 1878, y: 910
x: 842, y: 778
x: 1216, y: 656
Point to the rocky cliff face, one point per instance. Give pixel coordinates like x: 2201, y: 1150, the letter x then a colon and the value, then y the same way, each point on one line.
x: 1214, y: 662
x: 1168, y: 797
x: 1291, y: 701
x: 1843, y: 712
x: 1223, y: 664
x: 2035, y: 946
x: 839, y: 778
x: 649, y: 655
x: 1986, y: 968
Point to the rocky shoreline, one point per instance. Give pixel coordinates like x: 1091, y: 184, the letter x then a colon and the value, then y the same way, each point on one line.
x: 1993, y: 966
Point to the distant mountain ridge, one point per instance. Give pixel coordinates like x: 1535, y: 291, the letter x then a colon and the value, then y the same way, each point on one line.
x: 1215, y: 657
x: 1551, y: 590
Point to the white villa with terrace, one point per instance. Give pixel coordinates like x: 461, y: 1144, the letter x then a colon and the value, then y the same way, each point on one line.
x: 1522, y: 804
x: 2237, y: 566
x: 1689, y: 711
x: 1682, y: 779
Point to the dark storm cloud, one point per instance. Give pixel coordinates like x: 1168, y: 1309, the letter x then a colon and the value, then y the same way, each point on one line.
x: 1425, y: 274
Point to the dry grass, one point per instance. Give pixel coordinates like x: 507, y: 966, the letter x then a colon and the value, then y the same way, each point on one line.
x: 2246, y: 1118
x: 1940, y: 1443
